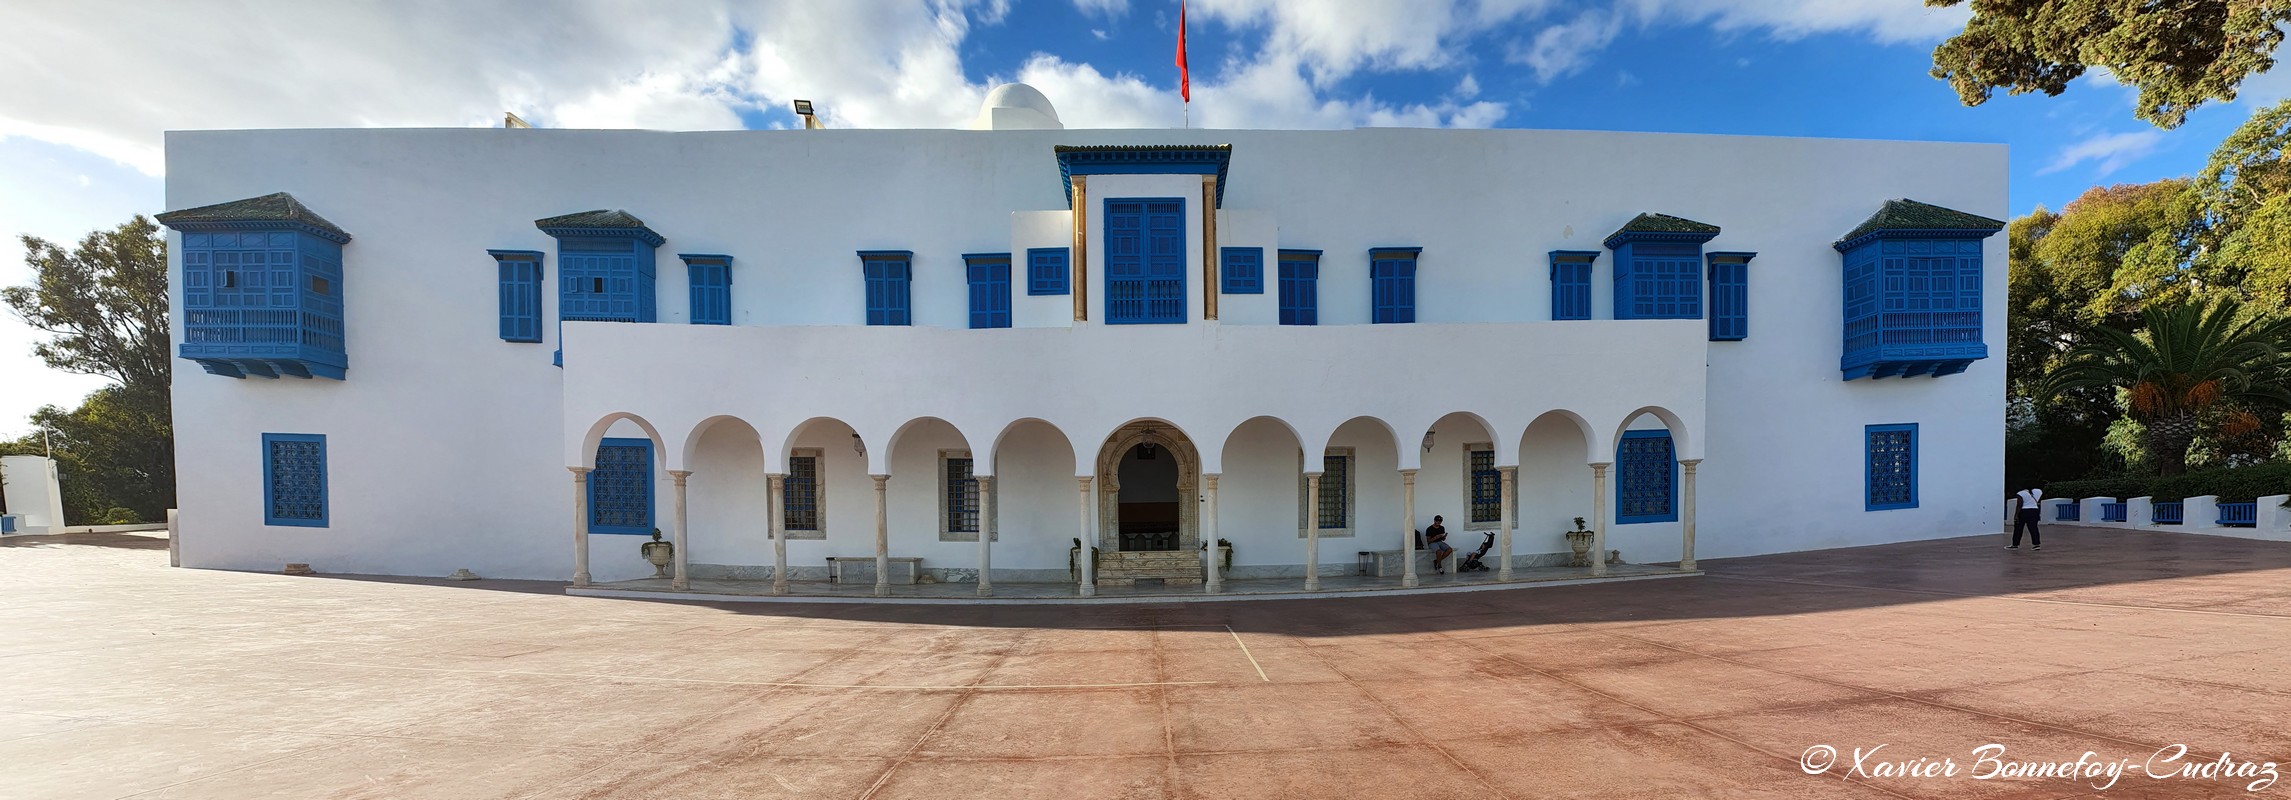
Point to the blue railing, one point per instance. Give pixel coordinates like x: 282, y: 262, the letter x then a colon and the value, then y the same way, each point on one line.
x: 2112, y: 512
x: 2069, y: 512
x: 2166, y: 513
x: 2239, y: 515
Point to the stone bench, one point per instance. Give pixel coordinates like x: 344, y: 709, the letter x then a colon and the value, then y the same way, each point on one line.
x: 835, y: 565
x: 1386, y: 563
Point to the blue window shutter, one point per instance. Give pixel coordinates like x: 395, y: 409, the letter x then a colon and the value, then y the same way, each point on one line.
x: 1646, y: 478
x: 1243, y: 270
x: 886, y: 273
x: 294, y: 480
x: 1571, y: 283
x: 1145, y: 261
x: 620, y: 487
x: 989, y: 277
x: 710, y: 278
x: 1729, y: 296
x: 1047, y: 271
x: 1300, y: 289
x: 520, y: 295
x: 1392, y: 286
x: 1890, y: 468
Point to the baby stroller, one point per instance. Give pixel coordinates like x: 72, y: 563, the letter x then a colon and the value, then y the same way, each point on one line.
x: 1471, y: 561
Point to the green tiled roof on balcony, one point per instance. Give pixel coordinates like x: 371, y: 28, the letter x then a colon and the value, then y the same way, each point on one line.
x: 275, y: 207
x: 1910, y: 215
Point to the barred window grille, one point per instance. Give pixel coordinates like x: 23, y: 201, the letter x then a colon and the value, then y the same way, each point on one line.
x: 620, y: 488
x: 800, y: 494
x: 1892, y: 467
x: 1645, y: 466
x: 1487, y: 487
x: 294, y: 492
x: 962, y: 496
x: 1336, y: 485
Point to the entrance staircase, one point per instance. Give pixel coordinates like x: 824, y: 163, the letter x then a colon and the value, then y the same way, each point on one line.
x: 1173, y: 567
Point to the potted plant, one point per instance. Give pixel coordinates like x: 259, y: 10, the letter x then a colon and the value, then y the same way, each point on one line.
x: 658, y: 552
x: 1579, y: 540
x: 1225, y: 552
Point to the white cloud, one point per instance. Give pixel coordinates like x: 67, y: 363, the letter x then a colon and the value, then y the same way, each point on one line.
x: 1467, y: 88
x: 2108, y: 152
x: 1887, y: 21
x: 1110, y: 9
x: 1565, y: 48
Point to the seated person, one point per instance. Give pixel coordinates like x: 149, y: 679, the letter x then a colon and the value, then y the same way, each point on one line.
x: 1436, y: 540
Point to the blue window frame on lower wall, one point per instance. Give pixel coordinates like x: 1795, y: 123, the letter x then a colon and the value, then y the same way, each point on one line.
x: 888, y: 274
x: 294, y: 479
x: 1047, y: 271
x: 1646, y: 478
x: 989, y: 276
x: 1392, y: 284
x: 520, y: 279
x: 1890, y: 472
x: 620, y: 488
x: 1571, y: 283
x: 1300, y: 272
x: 1243, y: 269
x: 710, y: 277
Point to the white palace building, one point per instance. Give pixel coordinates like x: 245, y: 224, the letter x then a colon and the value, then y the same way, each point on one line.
x: 938, y: 362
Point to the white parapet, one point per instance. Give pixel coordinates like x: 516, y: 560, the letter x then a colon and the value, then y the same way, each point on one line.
x: 2051, y: 509
x: 2140, y: 512
x: 34, y: 495
x: 2200, y: 513
x: 2095, y: 512
x: 2274, y: 520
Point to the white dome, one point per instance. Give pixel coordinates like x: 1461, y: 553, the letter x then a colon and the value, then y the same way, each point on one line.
x: 1016, y: 106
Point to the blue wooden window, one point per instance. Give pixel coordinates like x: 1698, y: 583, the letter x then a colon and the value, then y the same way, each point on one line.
x: 1487, y: 486
x: 1243, y: 269
x: 520, y: 274
x: 710, y: 277
x: 294, y: 479
x: 1891, y: 472
x: 1658, y: 280
x: 1047, y: 271
x: 1571, y: 283
x: 1145, y: 261
x: 1392, y: 284
x: 799, y: 495
x: 1300, y: 272
x: 1912, y: 307
x: 1729, y: 296
x: 604, y: 279
x: 989, y: 275
x: 263, y: 303
x: 1646, y: 478
x: 961, y: 495
x: 888, y: 274
x: 620, y: 488
x: 1336, y: 485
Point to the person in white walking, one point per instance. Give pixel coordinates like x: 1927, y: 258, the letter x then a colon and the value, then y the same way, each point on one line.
x: 2032, y: 508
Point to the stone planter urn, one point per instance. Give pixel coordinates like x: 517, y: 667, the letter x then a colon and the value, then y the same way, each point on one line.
x: 1579, y: 540
x: 658, y: 552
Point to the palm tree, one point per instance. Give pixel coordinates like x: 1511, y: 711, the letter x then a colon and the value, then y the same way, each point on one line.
x: 2193, y: 357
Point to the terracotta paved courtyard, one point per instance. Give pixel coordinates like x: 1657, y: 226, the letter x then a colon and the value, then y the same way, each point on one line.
x: 124, y: 678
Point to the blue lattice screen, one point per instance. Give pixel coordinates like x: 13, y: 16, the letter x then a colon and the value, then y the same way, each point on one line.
x: 1658, y: 281
x: 1487, y: 487
x: 1047, y: 271
x: 620, y: 488
x: 962, y: 496
x: 800, y: 494
x: 1891, y: 476
x: 263, y: 303
x: 1336, y: 486
x: 602, y: 280
x: 294, y: 471
x: 1300, y: 290
x: 1243, y: 270
x: 1644, y: 470
x: 1145, y: 261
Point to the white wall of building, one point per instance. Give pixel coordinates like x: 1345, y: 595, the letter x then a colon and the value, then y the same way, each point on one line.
x: 447, y: 447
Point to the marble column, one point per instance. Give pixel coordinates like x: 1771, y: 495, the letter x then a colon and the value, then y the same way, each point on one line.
x: 1312, y: 531
x: 1599, y: 518
x: 882, y: 536
x: 1213, y: 579
x: 775, y: 526
x: 1686, y: 515
x: 985, y: 535
x: 1089, y: 561
x: 580, y: 525
x: 683, y: 553
x: 1510, y: 476
x: 1408, y: 529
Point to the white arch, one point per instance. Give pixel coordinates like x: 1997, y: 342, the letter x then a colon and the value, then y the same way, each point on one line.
x: 586, y: 458
x: 1682, y: 444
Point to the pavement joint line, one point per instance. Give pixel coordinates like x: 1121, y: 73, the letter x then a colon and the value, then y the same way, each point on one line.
x: 773, y: 684
x: 2012, y: 597
x: 904, y: 758
x: 1245, y: 652
x: 1421, y: 739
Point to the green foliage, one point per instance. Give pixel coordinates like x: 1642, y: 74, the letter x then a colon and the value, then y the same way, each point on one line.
x: 2245, y: 194
x: 2179, y: 54
x: 115, y: 456
x: 2230, y: 484
x: 2193, y: 363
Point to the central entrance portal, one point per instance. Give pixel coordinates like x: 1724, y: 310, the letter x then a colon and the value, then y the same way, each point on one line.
x: 1148, y: 512
x: 1147, y: 472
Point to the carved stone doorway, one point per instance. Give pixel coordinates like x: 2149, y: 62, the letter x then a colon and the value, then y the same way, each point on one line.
x: 1147, y: 472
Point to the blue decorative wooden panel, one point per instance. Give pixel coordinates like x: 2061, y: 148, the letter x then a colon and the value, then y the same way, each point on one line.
x: 1392, y: 286
x: 1145, y: 261
x: 888, y: 285
x: 1571, y: 284
x: 711, y: 290
x: 1658, y: 280
x: 962, y: 496
x: 1048, y: 271
x: 1336, y: 490
x: 1912, y: 307
x: 520, y: 294
x: 989, y: 277
x: 1891, y: 474
x: 1243, y: 270
x: 294, y: 479
x: 620, y: 488
x: 604, y: 280
x: 799, y: 494
x: 1487, y: 487
x: 1299, y: 288
x: 1646, y: 471
x: 263, y: 303
x: 1729, y: 298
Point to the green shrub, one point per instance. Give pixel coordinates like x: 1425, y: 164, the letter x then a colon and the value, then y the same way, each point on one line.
x: 2229, y: 483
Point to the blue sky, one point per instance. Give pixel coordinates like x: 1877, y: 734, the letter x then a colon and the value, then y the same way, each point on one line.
x: 91, y: 89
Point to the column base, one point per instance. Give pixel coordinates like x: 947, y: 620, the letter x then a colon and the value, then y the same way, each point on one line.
x: 1088, y: 590
x: 1504, y: 574
x: 581, y: 579
x: 882, y: 590
x: 680, y: 585
x: 1687, y: 564
x: 1409, y: 581
x: 985, y: 590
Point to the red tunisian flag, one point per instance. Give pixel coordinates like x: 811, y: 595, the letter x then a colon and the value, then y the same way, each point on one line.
x: 1184, y: 74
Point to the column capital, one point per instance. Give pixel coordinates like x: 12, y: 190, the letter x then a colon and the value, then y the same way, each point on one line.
x: 1314, y: 474
x: 1083, y: 481
x: 880, y: 480
x: 1508, y: 473
x: 983, y: 480
x: 579, y: 473
x: 775, y: 479
x: 1408, y: 475
x: 679, y: 474
x: 1601, y: 466
x: 1689, y: 463
x: 1209, y: 480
